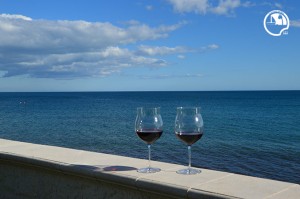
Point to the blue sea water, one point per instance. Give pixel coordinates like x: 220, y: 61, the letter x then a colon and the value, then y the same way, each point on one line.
x: 254, y: 133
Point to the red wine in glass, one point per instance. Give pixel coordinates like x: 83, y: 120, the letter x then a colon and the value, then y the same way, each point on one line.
x: 188, y: 129
x: 149, y: 136
x: 189, y: 138
x: 149, y: 128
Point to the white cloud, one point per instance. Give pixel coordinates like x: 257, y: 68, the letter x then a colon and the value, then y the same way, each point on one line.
x: 222, y: 7
x: 295, y: 23
x: 248, y: 4
x: 272, y: 4
x: 65, y: 35
x: 164, y: 50
x: 149, y: 7
x: 160, y: 50
x: 278, y: 5
x: 67, y: 49
x: 181, y: 56
x: 8, y: 16
x: 225, y: 7
x: 196, y: 6
x: 81, y: 64
x: 211, y: 47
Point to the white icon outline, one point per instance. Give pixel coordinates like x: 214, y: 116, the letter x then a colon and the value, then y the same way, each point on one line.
x: 283, y: 30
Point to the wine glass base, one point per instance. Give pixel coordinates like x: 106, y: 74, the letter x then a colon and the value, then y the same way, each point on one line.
x: 148, y: 170
x: 188, y: 171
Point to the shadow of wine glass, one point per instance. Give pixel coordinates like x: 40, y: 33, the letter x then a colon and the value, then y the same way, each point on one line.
x: 119, y: 168
x: 105, y: 167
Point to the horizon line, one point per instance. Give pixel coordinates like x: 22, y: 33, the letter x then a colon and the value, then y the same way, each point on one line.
x: 261, y: 90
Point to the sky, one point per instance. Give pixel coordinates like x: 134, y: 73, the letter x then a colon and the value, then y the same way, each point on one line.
x: 143, y: 45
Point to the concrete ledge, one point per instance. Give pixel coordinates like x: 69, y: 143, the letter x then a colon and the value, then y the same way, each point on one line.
x: 38, y: 171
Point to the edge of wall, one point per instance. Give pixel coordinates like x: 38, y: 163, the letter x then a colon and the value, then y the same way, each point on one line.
x: 110, y: 174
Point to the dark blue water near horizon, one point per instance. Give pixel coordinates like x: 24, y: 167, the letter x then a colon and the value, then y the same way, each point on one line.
x: 253, y: 133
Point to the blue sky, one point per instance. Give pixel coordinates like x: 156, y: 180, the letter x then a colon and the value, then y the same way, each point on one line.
x: 139, y: 45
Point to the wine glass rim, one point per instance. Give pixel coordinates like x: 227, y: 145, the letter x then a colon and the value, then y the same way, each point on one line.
x: 189, y: 107
x: 145, y: 107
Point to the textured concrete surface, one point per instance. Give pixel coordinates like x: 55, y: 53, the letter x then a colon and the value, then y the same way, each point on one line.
x: 39, y: 171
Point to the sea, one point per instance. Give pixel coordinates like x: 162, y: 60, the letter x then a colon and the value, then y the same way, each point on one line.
x: 254, y: 133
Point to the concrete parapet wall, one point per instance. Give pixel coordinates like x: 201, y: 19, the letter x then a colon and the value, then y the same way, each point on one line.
x: 38, y: 171
x: 20, y: 180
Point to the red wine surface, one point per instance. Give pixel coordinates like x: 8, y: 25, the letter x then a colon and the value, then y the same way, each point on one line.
x: 189, y: 138
x: 149, y: 136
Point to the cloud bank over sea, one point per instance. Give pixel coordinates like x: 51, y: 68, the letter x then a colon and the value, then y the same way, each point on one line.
x: 70, y: 49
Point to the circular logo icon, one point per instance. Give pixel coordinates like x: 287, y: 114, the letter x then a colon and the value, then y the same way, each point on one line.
x: 276, y: 23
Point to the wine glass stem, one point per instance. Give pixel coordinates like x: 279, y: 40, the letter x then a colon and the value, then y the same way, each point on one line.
x: 149, y: 155
x: 190, y: 156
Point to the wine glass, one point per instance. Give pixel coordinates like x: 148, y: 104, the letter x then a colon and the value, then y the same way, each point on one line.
x: 149, y: 128
x: 188, y: 129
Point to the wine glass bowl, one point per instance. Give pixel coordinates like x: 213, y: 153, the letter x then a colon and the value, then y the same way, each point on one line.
x: 149, y: 128
x: 188, y: 129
